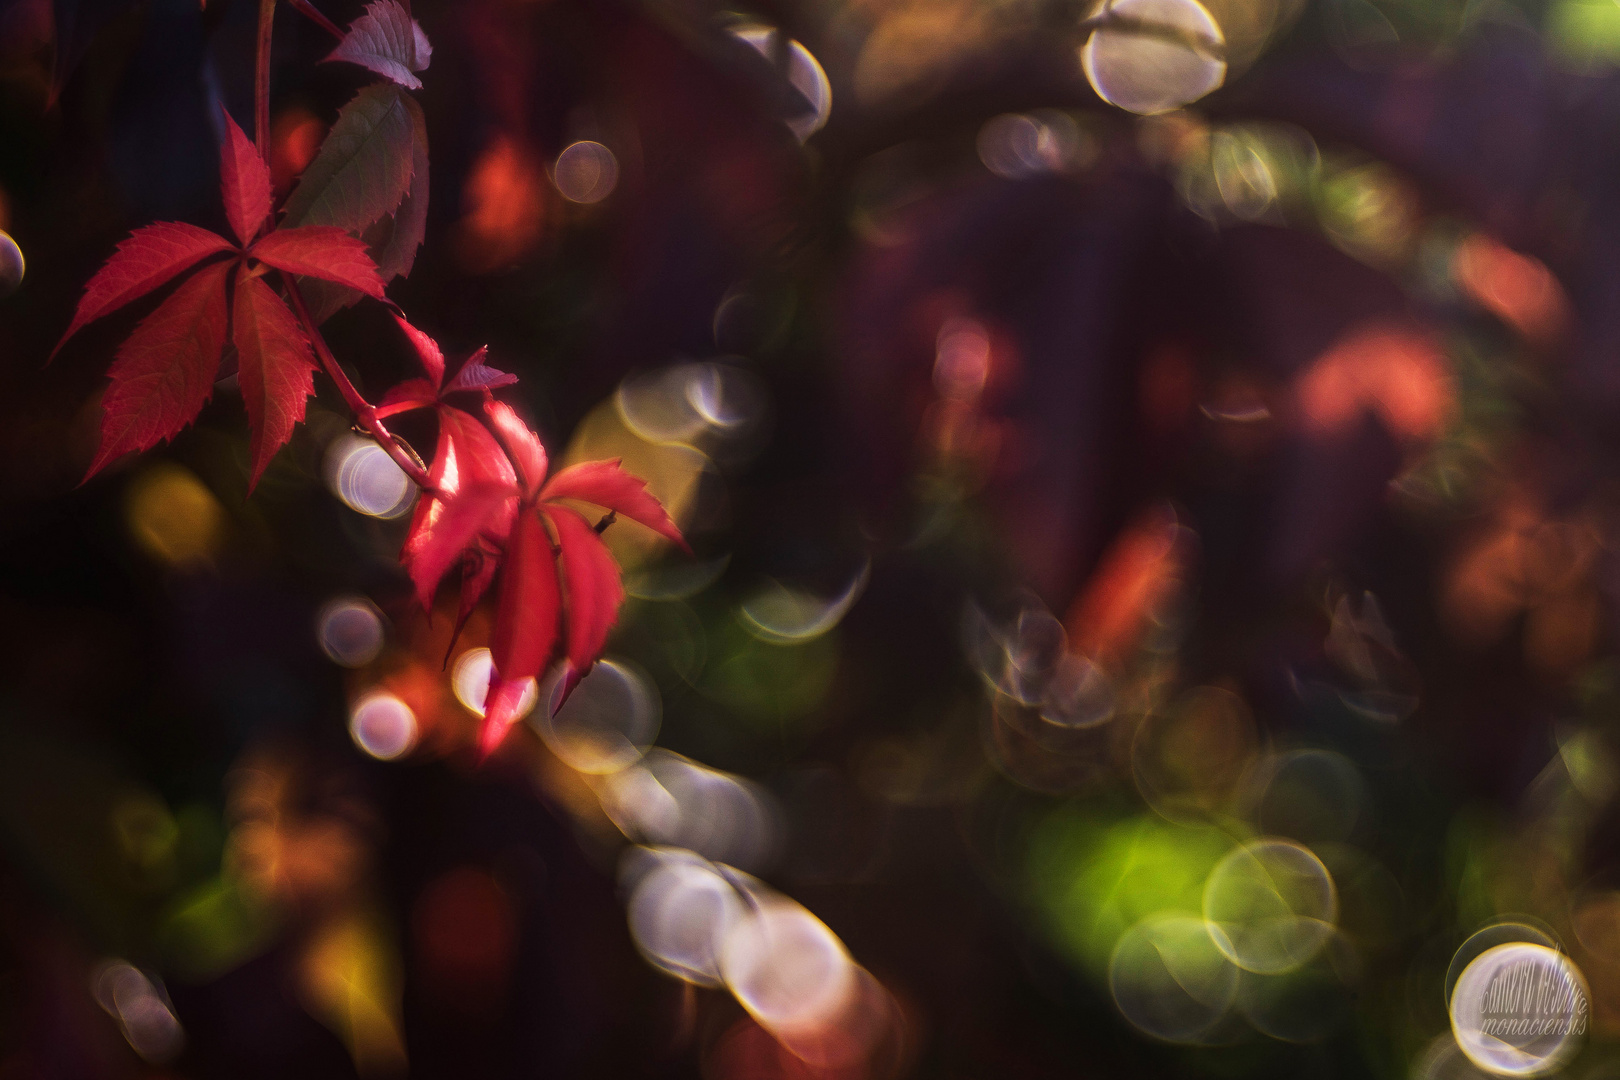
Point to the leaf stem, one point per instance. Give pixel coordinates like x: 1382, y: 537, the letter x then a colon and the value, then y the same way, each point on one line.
x: 304, y: 7
x: 364, y: 412
x: 261, y: 79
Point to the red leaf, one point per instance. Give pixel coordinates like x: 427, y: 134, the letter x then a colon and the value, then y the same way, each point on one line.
x: 408, y: 395
x: 480, y: 455
x: 594, y: 593
x: 524, y: 445
x: 452, y: 530
x: 276, y: 369
x: 245, y: 179
x: 164, y: 372
x: 321, y: 251
x: 466, y: 454
x: 427, y: 350
x: 477, y: 571
x: 388, y: 41
x: 606, y: 484
x: 144, y: 261
x: 525, y: 623
x: 477, y: 375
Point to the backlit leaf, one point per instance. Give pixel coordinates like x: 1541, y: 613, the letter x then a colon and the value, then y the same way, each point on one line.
x: 594, y: 593
x: 524, y: 445
x: 526, y: 618
x: 164, y: 372
x: 477, y: 375
x: 606, y: 484
x: 453, y: 530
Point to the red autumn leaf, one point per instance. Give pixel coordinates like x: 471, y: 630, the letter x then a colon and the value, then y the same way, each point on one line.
x: 474, y: 376
x: 521, y: 443
x: 467, y: 454
x: 276, y: 371
x: 477, y: 375
x: 427, y: 350
x: 321, y: 251
x: 594, y: 593
x: 456, y: 527
x: 408, y: 395
x: 245, y: 180
x: 150, y: 257
x: 526, y: 618
x: 606, y: 484
x: 164, y: 372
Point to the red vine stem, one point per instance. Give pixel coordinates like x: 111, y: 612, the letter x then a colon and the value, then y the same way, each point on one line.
x: 364, y: 412
x: 261, y: 80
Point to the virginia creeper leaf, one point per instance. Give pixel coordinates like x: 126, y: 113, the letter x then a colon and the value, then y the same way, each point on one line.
x: 276, y: 370
x: 466, y: 453
x: 388, y: 41
x: 526, y: 617
x: 408, y: 395
x: 606, y: 484
x: 147, y: 259
x: 396, y: 254
x: 522, y: 444
x: 321, y: 251
x: 477, y: 375
x: 427, y: 351
x: 245, y: 180
x: 594, y: 593
x: 454, y: 529
x: 363, y: 167
x: 164, y: 371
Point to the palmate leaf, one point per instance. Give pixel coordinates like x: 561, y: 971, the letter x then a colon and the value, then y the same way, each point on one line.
x: 164, y: 372
x: 148, y: 259
x: 388, y: 41
x: 276, y: 370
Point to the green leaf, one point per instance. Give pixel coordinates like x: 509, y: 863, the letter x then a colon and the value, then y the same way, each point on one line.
x: 396, y: 254
x: 364, y: 166
x: 393, y: 239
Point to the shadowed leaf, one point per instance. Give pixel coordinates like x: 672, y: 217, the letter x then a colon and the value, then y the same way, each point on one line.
x: 164, y: 372
x: 363, y: 168
x: 324, y: 252
x: 143, y: 262
x: 388, y: 41
x: 245, y: 183
x: 276, y: 370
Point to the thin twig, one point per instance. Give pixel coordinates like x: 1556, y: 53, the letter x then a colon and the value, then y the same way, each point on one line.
x: 365, y: 413
x: 304, y: 7
x: 261, y: 79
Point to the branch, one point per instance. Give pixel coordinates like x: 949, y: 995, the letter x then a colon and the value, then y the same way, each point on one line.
x: 305, y: 8
x: 261, y: 79
x: 364, y: 412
